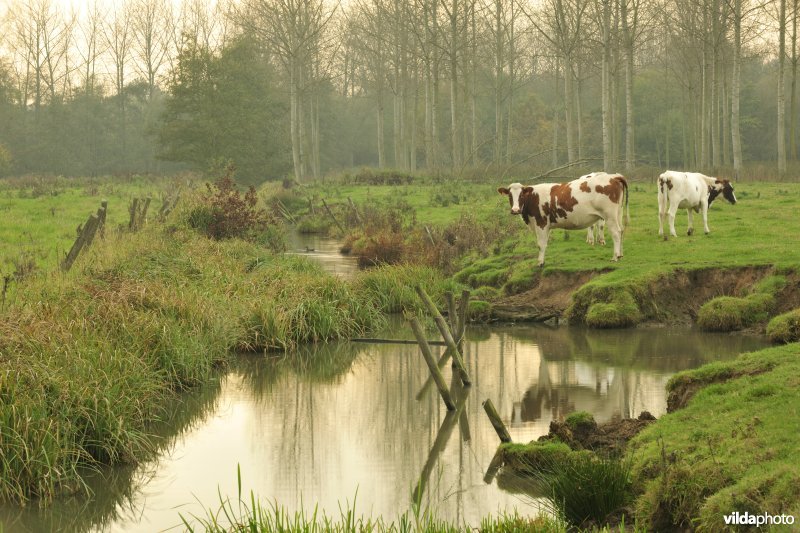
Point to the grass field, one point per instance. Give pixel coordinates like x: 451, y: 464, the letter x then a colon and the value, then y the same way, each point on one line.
x: 757, y: 230
x: 39, y: 216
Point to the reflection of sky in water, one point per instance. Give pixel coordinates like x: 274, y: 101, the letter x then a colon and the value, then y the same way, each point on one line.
x: 324, y: 435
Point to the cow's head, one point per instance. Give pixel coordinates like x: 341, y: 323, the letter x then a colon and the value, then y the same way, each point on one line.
x: 516, y: 193
x: 724, y: 188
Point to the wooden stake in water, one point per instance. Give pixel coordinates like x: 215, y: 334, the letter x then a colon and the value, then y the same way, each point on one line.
x: 497, y: 423
x: 446, y: 334
x: 426, y: 354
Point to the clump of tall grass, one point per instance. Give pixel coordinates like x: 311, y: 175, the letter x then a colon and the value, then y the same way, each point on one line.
x: 785, y: 328
x: 391, y: 288
x: 729, y: 313
x: 584, y: 489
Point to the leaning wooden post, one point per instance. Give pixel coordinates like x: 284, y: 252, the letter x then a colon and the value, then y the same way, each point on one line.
x: 143, y: 213
x: 452, y: 315
x: 133, y: 209
x: 446, y: 334
x: 102, y: 212
x: 355, y: 211
x: 80, y: 242
x: 463, y: 307
x: 426, y: 353
x: 497, y: 423
x: 330, y: 214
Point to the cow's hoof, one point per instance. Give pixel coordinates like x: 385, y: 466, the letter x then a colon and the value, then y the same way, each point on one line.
x: 602, y: 243
x: 666, y: 238
x: 689, y: 232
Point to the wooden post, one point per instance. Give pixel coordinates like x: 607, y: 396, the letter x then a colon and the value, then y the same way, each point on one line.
x: 426, y: 353
x: 133, y: 209
x: 143, y: 213
x: 452, y: 315
x: 439, y: 364
x: 102, y: 212
x: 497, y: 423
x: 330, y: 214
x: 430, y: 235
x: 355, y: 211
x: 463, y: 307
x: 80, y: 242
x: 446, y: 334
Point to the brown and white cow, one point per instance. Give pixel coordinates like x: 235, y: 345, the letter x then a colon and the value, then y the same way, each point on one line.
x: 577, y: 204
x: 692, y: 191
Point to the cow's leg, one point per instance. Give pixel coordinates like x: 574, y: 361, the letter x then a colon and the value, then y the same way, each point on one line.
x: 673, y: 210
x: 542, y: 237
x: 704, y: 207
x: 690, y: 229
x: 616, y: 235
x: 590, y: 235
x: 601, y: 230
x: 662, y: 213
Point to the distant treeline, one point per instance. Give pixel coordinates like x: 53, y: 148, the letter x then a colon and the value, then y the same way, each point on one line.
x: 305, y: 87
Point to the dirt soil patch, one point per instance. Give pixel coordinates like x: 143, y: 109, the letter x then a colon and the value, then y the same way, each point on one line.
x: 607, y: 439
x: 549, y: 298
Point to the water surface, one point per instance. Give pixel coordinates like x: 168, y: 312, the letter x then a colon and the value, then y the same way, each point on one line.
x: 347, y: 422
x: 355, y: 426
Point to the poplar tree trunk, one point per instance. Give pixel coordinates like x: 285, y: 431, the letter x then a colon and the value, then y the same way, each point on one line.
x: 781, y: 133
x: 736, y: 139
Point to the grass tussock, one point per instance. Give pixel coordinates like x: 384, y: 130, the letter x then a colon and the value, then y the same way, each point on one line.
x: 583, y: 489
x: 785, y: 328
x: 729, y: 313
x: 605, y: 306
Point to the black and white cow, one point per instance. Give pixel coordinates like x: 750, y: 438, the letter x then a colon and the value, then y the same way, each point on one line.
x: 692, y: 191
x: 577, y: 204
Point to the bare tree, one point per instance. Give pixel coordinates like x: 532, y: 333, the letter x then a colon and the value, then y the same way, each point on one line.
x: 293, y: 30
x: 150, y: 24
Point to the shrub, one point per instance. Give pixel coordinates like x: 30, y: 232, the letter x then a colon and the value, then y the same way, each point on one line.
x: 785, y: 328
x: 225, y: 214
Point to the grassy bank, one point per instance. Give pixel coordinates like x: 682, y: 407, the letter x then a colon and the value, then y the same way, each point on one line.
x: 730, y: 444
x: 93, y: 357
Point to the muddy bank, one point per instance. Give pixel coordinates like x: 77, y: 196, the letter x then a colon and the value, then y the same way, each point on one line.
x: 607, y: 439
x: 549, y: 298
x: 671, y: 298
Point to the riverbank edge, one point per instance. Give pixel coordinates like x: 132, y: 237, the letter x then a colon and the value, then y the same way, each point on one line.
x: 676, y: 297
x: 727, y: 445
x: 95, y: 356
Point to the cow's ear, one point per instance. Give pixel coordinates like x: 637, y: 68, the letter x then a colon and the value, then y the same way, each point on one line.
x: 527, y: 190
x: 503, y: 190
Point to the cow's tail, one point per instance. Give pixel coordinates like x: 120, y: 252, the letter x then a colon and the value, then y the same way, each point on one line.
x: 627, y: 206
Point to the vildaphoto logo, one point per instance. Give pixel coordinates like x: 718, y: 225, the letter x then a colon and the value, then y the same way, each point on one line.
x: 758, y: 520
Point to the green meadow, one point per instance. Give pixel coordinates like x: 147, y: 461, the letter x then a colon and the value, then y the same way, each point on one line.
x: 168, y: 306
x: 39, y: 215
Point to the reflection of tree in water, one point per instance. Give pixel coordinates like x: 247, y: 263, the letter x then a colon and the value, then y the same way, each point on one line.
x: 113, y: 489
x: 318, y: 363
x: 611, y: 373
x: 664, y: 349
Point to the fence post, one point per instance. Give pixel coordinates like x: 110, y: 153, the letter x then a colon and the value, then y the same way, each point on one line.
x: 446, y: 334
x: 496, y: 421
x: 426, y: 354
